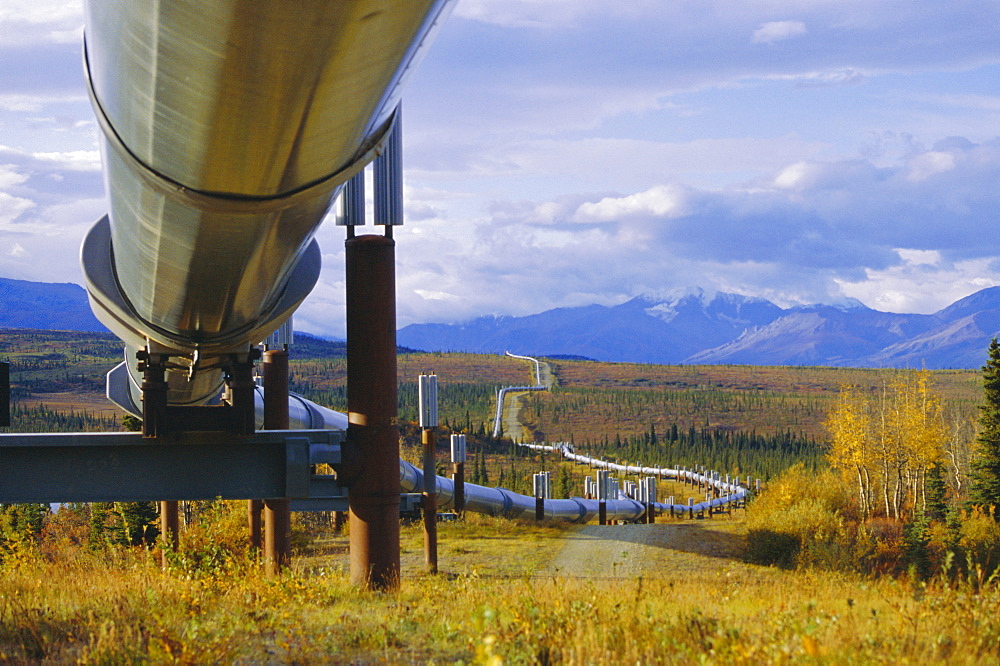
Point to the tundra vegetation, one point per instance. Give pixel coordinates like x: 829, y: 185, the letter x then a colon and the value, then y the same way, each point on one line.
x: 873, y: 541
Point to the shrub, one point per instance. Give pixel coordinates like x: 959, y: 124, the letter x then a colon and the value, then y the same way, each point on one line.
x: 980, y: 541
x: 878, y: 546
x: 214, y: 543
x: 799, y: 521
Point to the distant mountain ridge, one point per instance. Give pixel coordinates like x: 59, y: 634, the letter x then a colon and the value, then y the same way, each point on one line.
x: 693, y: 327
x: 703, y: 328
x: 46, y: 306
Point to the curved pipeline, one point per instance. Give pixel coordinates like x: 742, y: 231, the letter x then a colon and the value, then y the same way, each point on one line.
x: 227, y: 130
x: 731, y: 492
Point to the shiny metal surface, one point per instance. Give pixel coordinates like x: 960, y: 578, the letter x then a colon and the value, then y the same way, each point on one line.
x: 228, y: 129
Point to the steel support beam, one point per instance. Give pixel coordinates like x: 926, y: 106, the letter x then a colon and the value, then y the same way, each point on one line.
x: 125, y: 467
x: 373, y: 433
x: 277, y: 512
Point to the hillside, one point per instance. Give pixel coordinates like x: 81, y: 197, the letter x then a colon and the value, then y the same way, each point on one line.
x: 61, y: 307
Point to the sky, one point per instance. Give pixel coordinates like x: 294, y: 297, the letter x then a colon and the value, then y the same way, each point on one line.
x: 560, y: 153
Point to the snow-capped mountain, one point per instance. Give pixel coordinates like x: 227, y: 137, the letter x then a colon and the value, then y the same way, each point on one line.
x: 687, y: 326
x: 695, y: 326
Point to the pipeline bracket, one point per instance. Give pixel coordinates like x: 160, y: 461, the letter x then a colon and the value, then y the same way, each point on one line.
x: 160, y: 419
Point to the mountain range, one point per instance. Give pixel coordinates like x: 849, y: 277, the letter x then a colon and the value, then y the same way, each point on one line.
x: 47, y: 306
x: 691, y: 327
x: 699, y: 327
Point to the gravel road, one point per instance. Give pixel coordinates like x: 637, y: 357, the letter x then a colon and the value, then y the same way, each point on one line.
x: 627, y: 551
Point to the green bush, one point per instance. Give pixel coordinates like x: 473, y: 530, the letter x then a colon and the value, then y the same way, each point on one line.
x: 799, y: 520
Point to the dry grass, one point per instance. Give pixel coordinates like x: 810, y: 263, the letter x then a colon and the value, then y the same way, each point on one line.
x: 96, y: 404
x: 691, y: 604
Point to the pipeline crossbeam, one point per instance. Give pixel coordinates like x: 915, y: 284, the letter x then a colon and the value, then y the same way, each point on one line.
x: 122, y: 466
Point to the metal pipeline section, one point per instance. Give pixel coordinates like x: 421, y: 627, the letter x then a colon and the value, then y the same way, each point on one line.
x: 731, y: 492
x: 503, y: 502
x: 227, y: 131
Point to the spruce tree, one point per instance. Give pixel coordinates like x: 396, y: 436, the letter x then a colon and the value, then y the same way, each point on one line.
x: 984, y: 478
x: 936, y: 493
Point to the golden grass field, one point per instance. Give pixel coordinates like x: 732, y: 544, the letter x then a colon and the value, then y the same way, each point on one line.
x: 496, y: 600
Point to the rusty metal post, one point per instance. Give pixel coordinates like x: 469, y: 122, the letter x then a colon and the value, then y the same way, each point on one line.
x: 169, y: 529
x: 254, y: 508
x: 277, y: 512
x: 373, y: 434
x: 429, y: 502
x: 277, y: 535
x: 338, y: 519
x: 458, y: 477
x: 4, y: 394
x: 458, y: 456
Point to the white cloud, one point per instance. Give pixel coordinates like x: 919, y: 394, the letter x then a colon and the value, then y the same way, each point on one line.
x: 10, y: 176
x: 663, y: 201
x: 921, y: 287
x: 930, y: 164
x: 431, y: 295
x: 12, y: 207
x: 919, y: 257
x: 796, y: 175
x: 53, y: 21
x: 778, y: 31
x: 77, y: 160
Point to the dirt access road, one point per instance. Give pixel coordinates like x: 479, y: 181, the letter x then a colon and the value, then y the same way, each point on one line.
x: 511, y: 423
x: 664, y: 549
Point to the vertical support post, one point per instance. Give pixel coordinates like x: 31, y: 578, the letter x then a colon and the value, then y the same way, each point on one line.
x: 458, y: 471
x: 338, y: 521
x: 277, y: 534
x: 427, y: 394
x: 373, y: 433
x: 254, y: 525
x: 4, y: 394
x: 429, y: 502
x: 538, y: 486
x: 277, y: 511
x: 169, y: 529
x: 154, y: 409
x: 602, y: 496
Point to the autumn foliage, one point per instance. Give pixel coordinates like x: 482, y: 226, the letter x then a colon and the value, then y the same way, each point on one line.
x: 886, y: 441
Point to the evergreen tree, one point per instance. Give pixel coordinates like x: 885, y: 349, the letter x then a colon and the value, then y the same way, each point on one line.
x: 984, y: 478
x: 937, y: 493
x: 565, y: 482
